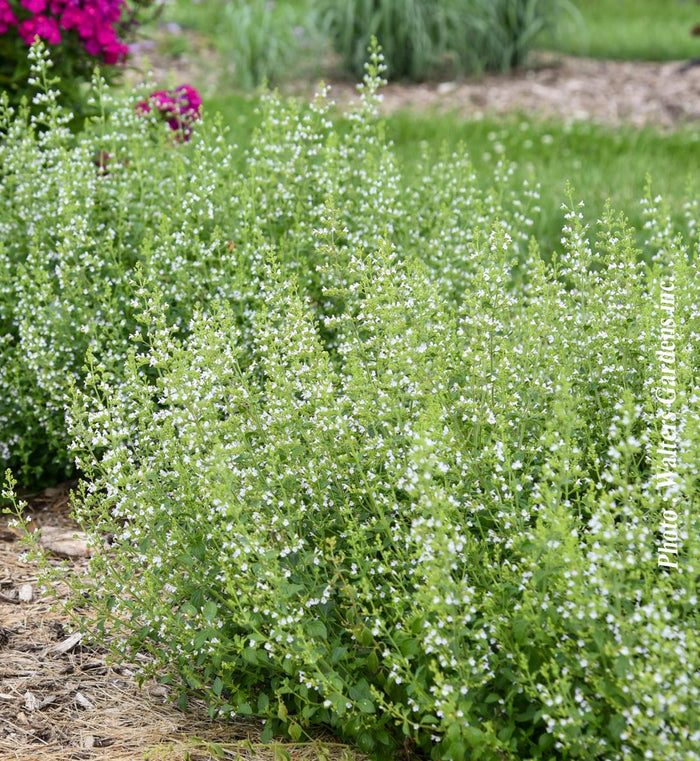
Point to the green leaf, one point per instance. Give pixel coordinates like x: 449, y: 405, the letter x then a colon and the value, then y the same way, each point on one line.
x: 295, y: 731
x: 250, y: 655
x: 317, y: 629
x: 214, y: 749
x: 520, y: 629
x: 474, y: 736
x: 410, y: 647
x: 201, y: 637
x: 621, y: 665
x: 373, y: 661
x: 263, y: 703
x: 505, y: 733
x: 616, y: 726
x: 366, y: 705
x: 365, y: 739
x: 454, y: 750
x: 360, y: 690
x: 308, y: 711
x: 267, y: 733
x: 280, y: 753
x: 337, y: 654
x: 218, y: 686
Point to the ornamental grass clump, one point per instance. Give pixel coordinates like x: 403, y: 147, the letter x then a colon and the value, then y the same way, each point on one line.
x: 425, y: 39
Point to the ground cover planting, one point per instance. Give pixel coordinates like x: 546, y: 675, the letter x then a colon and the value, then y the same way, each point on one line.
x: 601, y: 162
x: 357, y: 453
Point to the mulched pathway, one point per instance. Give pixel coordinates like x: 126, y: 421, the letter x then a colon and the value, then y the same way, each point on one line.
x: 564, y: 88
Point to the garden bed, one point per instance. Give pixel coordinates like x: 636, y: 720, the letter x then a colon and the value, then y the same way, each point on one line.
x: 61, y: 700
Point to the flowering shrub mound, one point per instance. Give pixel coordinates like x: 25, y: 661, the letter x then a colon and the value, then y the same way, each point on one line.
x: 365, y: 459
x: 81, y: 34
x: 438, y: 531
x: 83, y: 217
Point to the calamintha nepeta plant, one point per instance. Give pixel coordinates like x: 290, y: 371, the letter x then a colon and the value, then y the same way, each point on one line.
x: 368, y: 460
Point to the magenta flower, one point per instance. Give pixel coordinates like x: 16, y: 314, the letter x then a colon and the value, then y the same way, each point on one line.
x: 93, y: 21
x: 35, y: 6
x: 190, y: 100
x: 180, y: 108
x: 44, y: 27
x: 115, y: 52
x: 71, y: 17
x: 7, y: 17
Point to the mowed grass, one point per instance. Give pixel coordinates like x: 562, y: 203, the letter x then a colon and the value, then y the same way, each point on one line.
x: 599, y: 162
x: 651, y: 30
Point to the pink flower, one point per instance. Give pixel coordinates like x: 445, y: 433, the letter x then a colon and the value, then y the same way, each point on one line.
x: 40, y: 26
x: 115, y: 52
x: 180, y: 108
x: 93, y: 21
x: 35, y: 6
x: 93, y: 47
x: 71, y: 17
x: 190, y: 100
x: 7, y: 17
x: 160, y: 98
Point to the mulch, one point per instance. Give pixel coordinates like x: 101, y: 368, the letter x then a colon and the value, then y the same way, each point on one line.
x: 561, y: 88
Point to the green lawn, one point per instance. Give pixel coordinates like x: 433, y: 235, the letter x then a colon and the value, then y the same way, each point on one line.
x: 652, y: 30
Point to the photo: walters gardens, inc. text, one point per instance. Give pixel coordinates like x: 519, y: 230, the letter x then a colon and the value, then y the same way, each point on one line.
x: 666, y: 450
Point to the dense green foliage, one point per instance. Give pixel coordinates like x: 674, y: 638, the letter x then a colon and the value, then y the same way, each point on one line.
x: 74, y: 232
x: 605, y: 163
x: 365, y: 459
